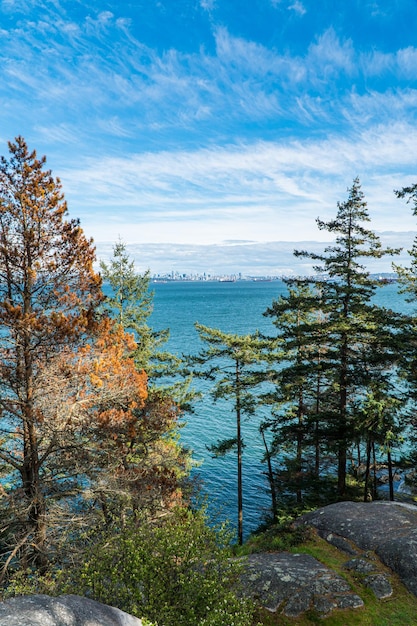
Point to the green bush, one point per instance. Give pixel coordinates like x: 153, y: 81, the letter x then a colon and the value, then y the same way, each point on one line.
x: 177, y: 572
x: 28, y: 583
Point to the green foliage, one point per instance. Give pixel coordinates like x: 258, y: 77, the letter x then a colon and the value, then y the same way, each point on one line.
x: 131, y: 303
x: 278, y: 537
x: 158, y: 466
x: 25, y: 583
x: 175, y: 572
x: 223, y: 447
x: 303, y: 397
x: 359, y: 333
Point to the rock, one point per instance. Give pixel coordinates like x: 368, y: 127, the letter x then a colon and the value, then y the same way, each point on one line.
x: 341, y: 544
x: 297, y: 582
x: 361, y: 566
x: 66, y: 610
x: 387, y: 528
x: 380, y: 585
x: 298, y: 603
x: 377, y: 581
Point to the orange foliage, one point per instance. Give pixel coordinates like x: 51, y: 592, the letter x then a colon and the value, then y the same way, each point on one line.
x: 108, y: 383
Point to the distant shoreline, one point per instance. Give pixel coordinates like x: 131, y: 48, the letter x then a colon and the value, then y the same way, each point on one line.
x: 383, y: 278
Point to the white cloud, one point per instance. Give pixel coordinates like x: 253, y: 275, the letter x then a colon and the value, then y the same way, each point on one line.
x: 99, y: 24
x: 79, y: 71
x: 63, y: 133
x: 329, y: 56
x: 407, y: 62
x: 297, y: 7
x: 244, y: 191
x: 401, y: 64
x: 89, y: 89
x: 208, y: 5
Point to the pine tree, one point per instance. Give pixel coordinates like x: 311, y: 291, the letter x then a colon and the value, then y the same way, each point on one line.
x: 407, y: 277
x: 232, y: 363
x: 68, y: 384
x: 302, y: 395
x: 348, y: 292
x: 130, y: 302
x: 153, y: 453
x: 48, y: 295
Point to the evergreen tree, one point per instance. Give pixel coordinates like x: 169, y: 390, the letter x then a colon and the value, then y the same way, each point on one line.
x: 130, y: 301
x: 348, y: 292
x: 380, y: 425
x: 232, y: 363
x: 407, y: 277
x: 302, y: 391
x: 155, y: 464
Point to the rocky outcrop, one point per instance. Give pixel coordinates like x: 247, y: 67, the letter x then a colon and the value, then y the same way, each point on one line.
x: 375, y: 538
x: 387, y: 528
x: 66, y: 610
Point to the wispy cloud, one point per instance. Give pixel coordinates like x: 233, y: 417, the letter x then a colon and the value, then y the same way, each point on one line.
x: 298, y: 7
x: 291, y: 5
x: 329, y: 56
x: 80, y: 70
x: 247, y: 190
x: 208, y: 5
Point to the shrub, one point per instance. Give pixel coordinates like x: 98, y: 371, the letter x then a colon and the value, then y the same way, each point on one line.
x: 176, y: 572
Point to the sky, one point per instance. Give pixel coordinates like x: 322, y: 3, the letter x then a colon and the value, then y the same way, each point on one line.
x: 210, y: 134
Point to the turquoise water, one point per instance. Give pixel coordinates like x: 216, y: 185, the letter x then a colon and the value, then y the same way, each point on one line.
x: 235, y: 308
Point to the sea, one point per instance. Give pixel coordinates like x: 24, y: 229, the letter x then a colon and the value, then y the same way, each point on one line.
x: 232, y: 307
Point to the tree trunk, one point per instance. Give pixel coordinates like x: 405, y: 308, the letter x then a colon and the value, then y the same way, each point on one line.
x: 239, y: 459
x: 374, y: 481
x: 342, y: 434
x: 270, y: 477
x: 36, y: 517
x: 299, y: 456
x: 390, y: 477
x: 367, y: 470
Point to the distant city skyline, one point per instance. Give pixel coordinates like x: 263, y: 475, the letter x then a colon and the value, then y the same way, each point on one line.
x: 200, y: 122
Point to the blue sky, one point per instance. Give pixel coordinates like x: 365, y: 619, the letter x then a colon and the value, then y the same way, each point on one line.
x: 202, y: 132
